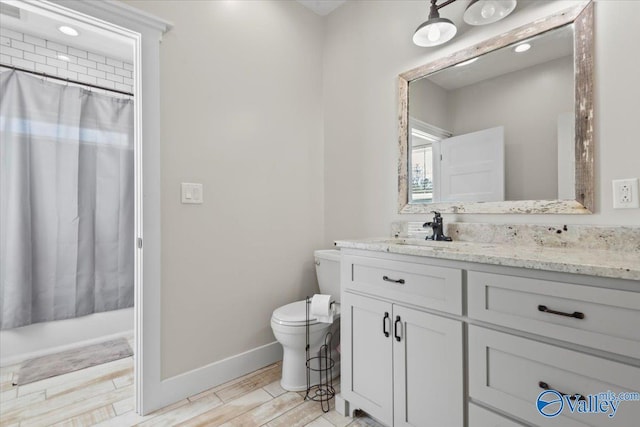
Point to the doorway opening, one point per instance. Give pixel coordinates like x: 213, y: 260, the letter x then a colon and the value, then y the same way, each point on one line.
x: 91, y: 82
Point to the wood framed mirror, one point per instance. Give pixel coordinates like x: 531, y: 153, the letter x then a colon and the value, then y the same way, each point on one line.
x: 541, y: 162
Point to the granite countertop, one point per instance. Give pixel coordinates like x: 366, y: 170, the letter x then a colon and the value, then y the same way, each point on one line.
x: 589, y: 261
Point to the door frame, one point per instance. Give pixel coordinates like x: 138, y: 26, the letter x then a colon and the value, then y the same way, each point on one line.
x: 144, y: 31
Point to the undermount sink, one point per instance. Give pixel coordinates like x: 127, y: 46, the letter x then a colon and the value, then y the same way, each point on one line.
x: 435, y: 245
x: 424, y: 242
x: 412, y: 241
x: 439, y: 245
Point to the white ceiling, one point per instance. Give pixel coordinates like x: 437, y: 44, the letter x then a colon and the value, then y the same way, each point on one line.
x: 90, y: 38
x: 322, y: 7
x: 100, y: 42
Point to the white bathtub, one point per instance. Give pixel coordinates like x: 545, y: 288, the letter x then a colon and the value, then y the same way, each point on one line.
x: 40, y: 339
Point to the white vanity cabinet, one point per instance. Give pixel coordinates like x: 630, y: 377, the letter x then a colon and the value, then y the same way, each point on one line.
x: 402, y: 364
x: 448, y: 343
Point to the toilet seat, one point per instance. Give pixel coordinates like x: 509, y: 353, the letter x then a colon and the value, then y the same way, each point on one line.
x: 294, y: 314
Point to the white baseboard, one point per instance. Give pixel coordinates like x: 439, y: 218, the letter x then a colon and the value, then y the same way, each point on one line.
x: 206, y: 377
x: 19, y: 358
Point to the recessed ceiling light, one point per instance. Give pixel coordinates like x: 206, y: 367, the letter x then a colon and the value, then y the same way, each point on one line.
x: 522, y: 47
x: 63, y: 57
x: 64, y: 29
x: 467, y: 62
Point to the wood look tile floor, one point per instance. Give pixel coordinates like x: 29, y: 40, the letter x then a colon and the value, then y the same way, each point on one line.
x: 103, y: 396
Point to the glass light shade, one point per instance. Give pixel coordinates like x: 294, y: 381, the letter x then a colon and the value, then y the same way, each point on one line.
x: 482, y: 12
x: 434, y: 32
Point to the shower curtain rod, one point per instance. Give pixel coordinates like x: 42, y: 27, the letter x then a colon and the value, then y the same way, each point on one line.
x: 49, y: 76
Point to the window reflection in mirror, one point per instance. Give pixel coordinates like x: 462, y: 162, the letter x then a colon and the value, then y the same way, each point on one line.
x: 422, y: 138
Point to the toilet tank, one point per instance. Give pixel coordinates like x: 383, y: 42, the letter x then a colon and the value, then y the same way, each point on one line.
x: 328, y: 272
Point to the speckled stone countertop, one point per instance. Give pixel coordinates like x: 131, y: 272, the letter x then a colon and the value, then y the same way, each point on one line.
x: 621, y: 263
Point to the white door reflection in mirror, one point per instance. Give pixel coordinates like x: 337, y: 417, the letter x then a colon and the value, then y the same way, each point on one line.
x: 471, y: 167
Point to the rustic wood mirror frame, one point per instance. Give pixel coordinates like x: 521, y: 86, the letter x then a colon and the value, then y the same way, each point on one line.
x: 582, y: 18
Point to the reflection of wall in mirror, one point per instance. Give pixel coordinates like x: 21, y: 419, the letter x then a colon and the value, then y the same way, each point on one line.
x: 566, y: 156
x: 528, y: 103
x: 430, y: 103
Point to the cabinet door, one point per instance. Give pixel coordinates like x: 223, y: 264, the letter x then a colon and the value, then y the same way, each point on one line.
x: 367, y: 362
x: 428, y: 368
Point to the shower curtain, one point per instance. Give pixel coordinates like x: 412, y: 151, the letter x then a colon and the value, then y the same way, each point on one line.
x: 66, y: 201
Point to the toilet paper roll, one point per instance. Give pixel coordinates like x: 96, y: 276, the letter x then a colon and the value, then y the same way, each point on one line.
x: 321, y: 308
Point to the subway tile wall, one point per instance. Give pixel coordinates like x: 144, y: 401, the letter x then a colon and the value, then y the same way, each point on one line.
x: 37, y: 54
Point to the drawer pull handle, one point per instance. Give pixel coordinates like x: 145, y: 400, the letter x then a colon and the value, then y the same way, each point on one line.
x: 575, y: 314
x: 384, y: 324
x: 387, y: 279
x: 395, y: 328
x: 575, y: 396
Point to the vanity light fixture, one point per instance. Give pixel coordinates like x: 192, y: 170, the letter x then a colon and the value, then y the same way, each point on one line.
x: 70, y: 31
x: 63, y: 57
x: 523, y: 47
x: 436, y: 30
x: 482, y: 12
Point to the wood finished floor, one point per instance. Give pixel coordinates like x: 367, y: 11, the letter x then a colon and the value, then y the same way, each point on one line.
x: 103, y: 395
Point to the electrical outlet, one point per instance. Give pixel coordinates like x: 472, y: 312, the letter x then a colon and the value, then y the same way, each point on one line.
x: 625, y: 193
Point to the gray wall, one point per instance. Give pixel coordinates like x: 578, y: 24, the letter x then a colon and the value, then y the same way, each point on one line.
x: 241, y: 88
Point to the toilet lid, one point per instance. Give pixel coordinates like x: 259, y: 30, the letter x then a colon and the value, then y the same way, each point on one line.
x: 294, y: 313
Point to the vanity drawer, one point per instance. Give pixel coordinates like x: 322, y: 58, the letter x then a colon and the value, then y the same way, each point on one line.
x: 505, y: 372
x: 480, y: 417
x: 438, y: 288
x: 606, y: 319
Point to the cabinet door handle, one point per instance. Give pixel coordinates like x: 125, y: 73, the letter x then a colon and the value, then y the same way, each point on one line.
x: 574, y: 396
x: 387, y: 279
x: 384, y: 324
x: 575, y: 314
x: 395, y: 328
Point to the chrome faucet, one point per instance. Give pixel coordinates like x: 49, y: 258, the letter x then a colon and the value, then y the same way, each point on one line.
x: 438, y: 228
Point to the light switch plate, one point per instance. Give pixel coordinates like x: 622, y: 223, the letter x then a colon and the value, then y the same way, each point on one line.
x: 192, y: 193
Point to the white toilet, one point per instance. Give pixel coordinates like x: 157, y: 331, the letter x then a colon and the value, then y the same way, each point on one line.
x: 288, y: 324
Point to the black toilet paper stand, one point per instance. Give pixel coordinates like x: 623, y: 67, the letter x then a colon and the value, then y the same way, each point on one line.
x: 322, y: 363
